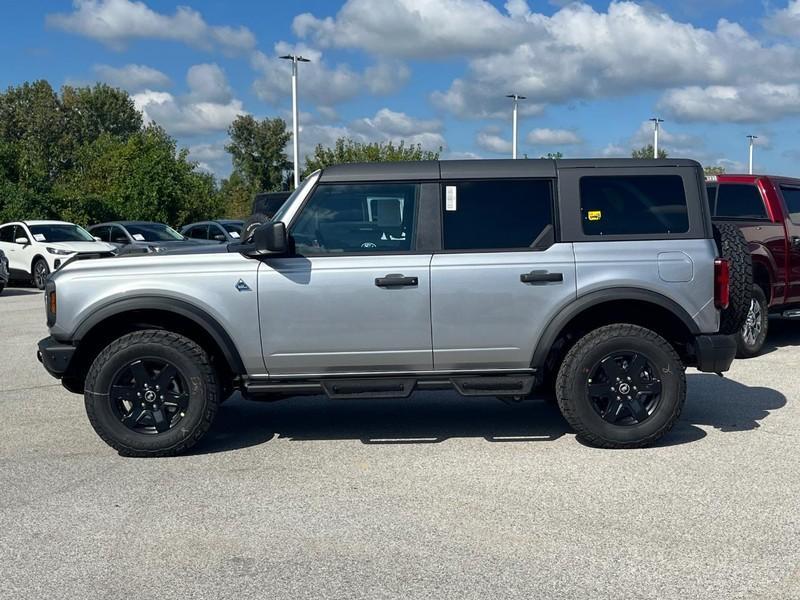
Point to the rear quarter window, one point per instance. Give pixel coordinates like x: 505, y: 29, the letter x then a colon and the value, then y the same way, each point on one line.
x: 791, y: 196
x: 633, y: 205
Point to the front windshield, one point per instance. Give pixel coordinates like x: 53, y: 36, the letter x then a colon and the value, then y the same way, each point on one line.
x: 63, y: 232
x: 153, y: 232
x: 308, y: 181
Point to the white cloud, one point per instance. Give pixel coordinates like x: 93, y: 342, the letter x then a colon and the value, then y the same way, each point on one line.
x: 759, y: 102
x: 209, y: 83
x: 318, y: 82
x: 416, y: 28
x: 115, y: 23
x: 785, y: 21
x: 212, y: 157
x: 580, y: 53
x: 209, y: 105
x: 553, y: 137
x: 489, y: 139
x: 132, y: 77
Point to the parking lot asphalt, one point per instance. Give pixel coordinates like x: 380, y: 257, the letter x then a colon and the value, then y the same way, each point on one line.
x: 436, y: 496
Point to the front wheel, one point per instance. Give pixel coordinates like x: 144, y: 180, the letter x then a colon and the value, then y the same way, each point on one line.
x: 751, y: 337
x: 621, y: 386
x: 40, y: 273
x: 151, y: 393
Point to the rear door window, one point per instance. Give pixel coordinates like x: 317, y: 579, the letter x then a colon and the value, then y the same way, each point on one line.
x: 739, y: 201
x: 633, y: 205
x: 791, y: 196
x: 503, y: 214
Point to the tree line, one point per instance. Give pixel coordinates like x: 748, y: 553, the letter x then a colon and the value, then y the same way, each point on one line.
x: 85, y: 154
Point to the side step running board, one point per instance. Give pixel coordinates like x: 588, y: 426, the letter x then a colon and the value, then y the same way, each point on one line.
x: 398, y: 387
x: 791, y: 314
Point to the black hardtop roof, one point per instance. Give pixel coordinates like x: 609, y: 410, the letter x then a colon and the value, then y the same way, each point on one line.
x: 495, y: 168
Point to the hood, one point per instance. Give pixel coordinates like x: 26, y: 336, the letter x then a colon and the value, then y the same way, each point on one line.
x: 80, y: 247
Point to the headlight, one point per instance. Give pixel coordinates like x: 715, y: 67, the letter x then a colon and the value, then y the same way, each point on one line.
x: 59, y: 252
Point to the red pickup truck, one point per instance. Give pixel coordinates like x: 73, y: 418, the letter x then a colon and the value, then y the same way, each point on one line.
x: 767, y: 210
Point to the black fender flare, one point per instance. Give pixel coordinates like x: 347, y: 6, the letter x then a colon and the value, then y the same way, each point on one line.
x: 592, y: 299
x: 166, y: 304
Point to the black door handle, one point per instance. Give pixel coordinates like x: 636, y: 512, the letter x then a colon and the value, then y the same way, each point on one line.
x: 541, y: 277
x: 396, y: 280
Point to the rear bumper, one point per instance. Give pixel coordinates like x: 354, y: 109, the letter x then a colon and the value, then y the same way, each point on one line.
x: 55, y: 356
x: 714, y: 353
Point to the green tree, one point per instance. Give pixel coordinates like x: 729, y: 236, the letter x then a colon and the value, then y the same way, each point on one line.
x: 236, y: 197
x: 90, y: 112
x: 346, y: 150
x: 714, y: 170
x: 258, y: 152
x: 142, y: 178
x: 647, y: 152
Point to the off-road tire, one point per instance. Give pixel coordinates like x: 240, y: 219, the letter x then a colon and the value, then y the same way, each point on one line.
x: 39, y: 264
x: 744, y: 347
x: 252, y: 224
x: 190, y: 359
x: 733, y: 247
x: 572, y: 391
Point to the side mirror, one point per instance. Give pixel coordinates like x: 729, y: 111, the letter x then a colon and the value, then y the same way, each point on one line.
x: 219, y: 237
x: 271, y: 238
x: 97, y: 239
x: 22, y: 240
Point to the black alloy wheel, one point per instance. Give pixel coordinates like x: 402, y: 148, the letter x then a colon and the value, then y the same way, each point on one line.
x: 624, y: 389
x: 149, y: 395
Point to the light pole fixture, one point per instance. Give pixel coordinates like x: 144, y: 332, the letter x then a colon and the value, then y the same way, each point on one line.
x: 752, y: 139
x: 295, y: 125
x: 656, y: 126
x: 516, y: 98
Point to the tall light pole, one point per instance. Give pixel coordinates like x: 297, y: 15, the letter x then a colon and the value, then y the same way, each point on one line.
x: 516, y: 99
x: 295, y: 125
x: 656, y: 126
x: 752, y: 139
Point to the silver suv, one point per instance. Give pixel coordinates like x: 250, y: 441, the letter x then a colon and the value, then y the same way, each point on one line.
x: 594, y: 281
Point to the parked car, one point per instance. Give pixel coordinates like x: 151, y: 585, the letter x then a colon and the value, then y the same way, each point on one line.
x: 3, y: 271
x: 134, y: 237
x: 37, y: 248
x: 375, y: 280
x: 225, y: 231
x: 767, y: 210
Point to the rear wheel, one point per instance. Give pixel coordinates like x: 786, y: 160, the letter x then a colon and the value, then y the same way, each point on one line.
x: 40, y: 273
x: 151, y: 393
x: 751, y: 337
x: 621, y: 386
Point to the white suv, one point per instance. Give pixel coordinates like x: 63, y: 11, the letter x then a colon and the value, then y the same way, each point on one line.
x: 36, y: 248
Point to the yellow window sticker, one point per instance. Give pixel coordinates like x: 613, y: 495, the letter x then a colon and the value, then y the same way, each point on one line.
x: 595, y: 215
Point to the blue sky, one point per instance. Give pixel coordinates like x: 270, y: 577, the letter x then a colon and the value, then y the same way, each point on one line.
x: 436, y: 71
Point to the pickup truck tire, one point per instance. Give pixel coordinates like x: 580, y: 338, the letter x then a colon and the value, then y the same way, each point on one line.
x: 131, y: 378
x: 621, y: 386
x: 252, y: 224
x: 750, y: 338
x: 733, y: 247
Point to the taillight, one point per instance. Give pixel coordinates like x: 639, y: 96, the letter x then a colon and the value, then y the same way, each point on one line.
x: 722, y: 280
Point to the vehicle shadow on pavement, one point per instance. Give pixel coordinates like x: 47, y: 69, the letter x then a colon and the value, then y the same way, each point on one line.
x: 782, y: 333
x: 727, y: 405
x: 712, y: 401
x: 428, y: 419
